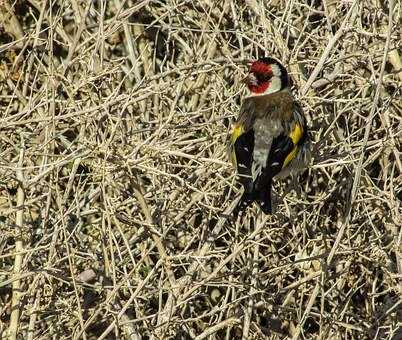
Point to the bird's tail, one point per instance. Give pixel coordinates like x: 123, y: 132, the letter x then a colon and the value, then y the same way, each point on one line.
x: 245, y: 201
x: 262, y: 196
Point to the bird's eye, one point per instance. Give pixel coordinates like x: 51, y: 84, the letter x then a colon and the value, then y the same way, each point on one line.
x: 263, y: 77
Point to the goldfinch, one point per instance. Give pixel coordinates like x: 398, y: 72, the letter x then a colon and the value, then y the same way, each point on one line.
x: 270, y: 137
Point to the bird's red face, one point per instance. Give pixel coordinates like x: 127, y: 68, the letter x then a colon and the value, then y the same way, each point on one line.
x: 259, y: 78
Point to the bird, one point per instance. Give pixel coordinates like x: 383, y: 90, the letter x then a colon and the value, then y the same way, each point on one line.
x: 270, y: 137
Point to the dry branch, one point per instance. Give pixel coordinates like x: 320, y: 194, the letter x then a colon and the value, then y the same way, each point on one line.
x: 122, y: 225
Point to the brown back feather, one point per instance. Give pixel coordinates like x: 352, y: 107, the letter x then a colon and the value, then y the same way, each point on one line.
x: 278, y: 105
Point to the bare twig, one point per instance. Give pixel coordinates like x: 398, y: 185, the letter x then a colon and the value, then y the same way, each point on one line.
x: 127, y: 221
x: 19, y: 248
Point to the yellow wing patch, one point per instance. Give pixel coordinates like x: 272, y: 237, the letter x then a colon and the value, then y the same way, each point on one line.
x: 295, y: 135
x: 237, y: 131
x: 291, y: 155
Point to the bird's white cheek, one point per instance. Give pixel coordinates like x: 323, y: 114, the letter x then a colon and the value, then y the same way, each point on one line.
x: 275, y: 85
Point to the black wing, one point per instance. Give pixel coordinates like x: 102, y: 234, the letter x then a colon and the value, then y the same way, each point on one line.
x: 281, y: 147
x: 244, y: 148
